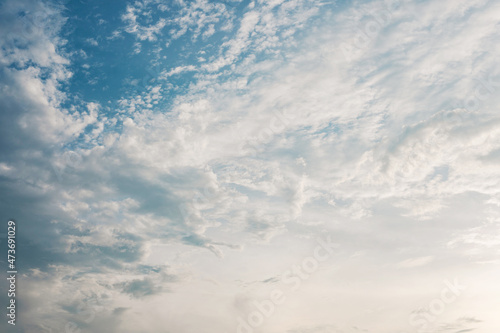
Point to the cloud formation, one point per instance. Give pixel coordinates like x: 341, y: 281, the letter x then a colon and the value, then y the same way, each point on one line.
x: 226, y: 137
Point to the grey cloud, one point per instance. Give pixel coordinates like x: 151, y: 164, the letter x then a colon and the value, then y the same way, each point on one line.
x: 154, y: 283
x: 141, y: 288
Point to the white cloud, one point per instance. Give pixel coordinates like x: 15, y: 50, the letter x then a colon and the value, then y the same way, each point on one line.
x: 415, y: 262
x: 92, y: 41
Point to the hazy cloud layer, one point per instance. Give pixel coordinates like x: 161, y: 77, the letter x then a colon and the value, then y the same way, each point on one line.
x: 169, y: 162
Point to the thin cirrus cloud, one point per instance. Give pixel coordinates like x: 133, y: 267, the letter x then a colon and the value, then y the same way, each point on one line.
x: 154, y: 190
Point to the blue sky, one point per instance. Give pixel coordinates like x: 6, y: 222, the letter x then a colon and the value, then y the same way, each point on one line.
x: 267, y: 166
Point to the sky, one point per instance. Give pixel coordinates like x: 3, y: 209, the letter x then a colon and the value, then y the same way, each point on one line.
x: 267, y: 166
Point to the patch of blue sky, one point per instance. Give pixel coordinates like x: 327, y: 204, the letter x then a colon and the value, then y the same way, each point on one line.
x: 105, y: 66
